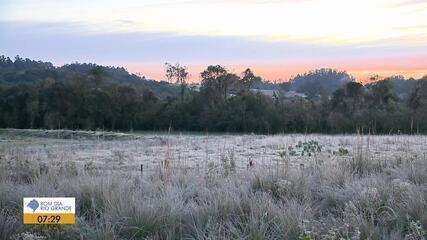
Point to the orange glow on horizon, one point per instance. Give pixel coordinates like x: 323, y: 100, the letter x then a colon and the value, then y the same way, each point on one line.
x: 361, y: 70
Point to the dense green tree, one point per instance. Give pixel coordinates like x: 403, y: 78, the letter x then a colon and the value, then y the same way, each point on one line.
x: 88, y: 96
x: 178, y: 74
x: 311, y: 82
x: 249, y: 79
x: 382, y: 92
x: 218, y: 83
x: 418, y: 104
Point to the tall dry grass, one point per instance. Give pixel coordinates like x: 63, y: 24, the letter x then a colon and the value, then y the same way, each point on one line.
x: 358, y: 198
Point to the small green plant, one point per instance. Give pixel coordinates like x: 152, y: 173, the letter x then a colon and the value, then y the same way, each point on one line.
x: 90, y: 167
x: 306, y: 236
x: 309, y: 148
x: 330, y: 235
x: 341, y: 152
x: 415, y: 231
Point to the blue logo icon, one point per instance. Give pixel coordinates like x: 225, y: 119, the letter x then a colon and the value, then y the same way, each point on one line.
x: 33, y: 204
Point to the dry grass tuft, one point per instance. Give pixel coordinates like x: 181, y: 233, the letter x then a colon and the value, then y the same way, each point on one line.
x: 358, y: 195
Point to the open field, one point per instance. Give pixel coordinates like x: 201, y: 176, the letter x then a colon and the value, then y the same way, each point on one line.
x: 198, y: 186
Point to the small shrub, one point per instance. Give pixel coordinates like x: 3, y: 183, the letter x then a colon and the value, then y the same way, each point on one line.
x: 342, y: 151
x: 90, y: 167
x: 416, y: 231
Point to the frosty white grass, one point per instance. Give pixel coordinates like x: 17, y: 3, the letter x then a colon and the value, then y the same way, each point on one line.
x: 201, y: 187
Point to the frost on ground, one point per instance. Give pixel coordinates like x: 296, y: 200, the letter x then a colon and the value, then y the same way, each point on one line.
x: 204, y: 187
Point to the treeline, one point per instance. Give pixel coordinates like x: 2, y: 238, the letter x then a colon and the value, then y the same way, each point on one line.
x: 39, y: 95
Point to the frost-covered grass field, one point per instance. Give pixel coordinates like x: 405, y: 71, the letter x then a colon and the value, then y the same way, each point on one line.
x: 198, y: 186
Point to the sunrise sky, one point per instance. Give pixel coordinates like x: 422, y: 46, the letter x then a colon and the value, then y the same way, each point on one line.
x: 276, y: 38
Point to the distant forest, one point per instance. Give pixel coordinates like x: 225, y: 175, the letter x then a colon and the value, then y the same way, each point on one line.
x: 35, y: 94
